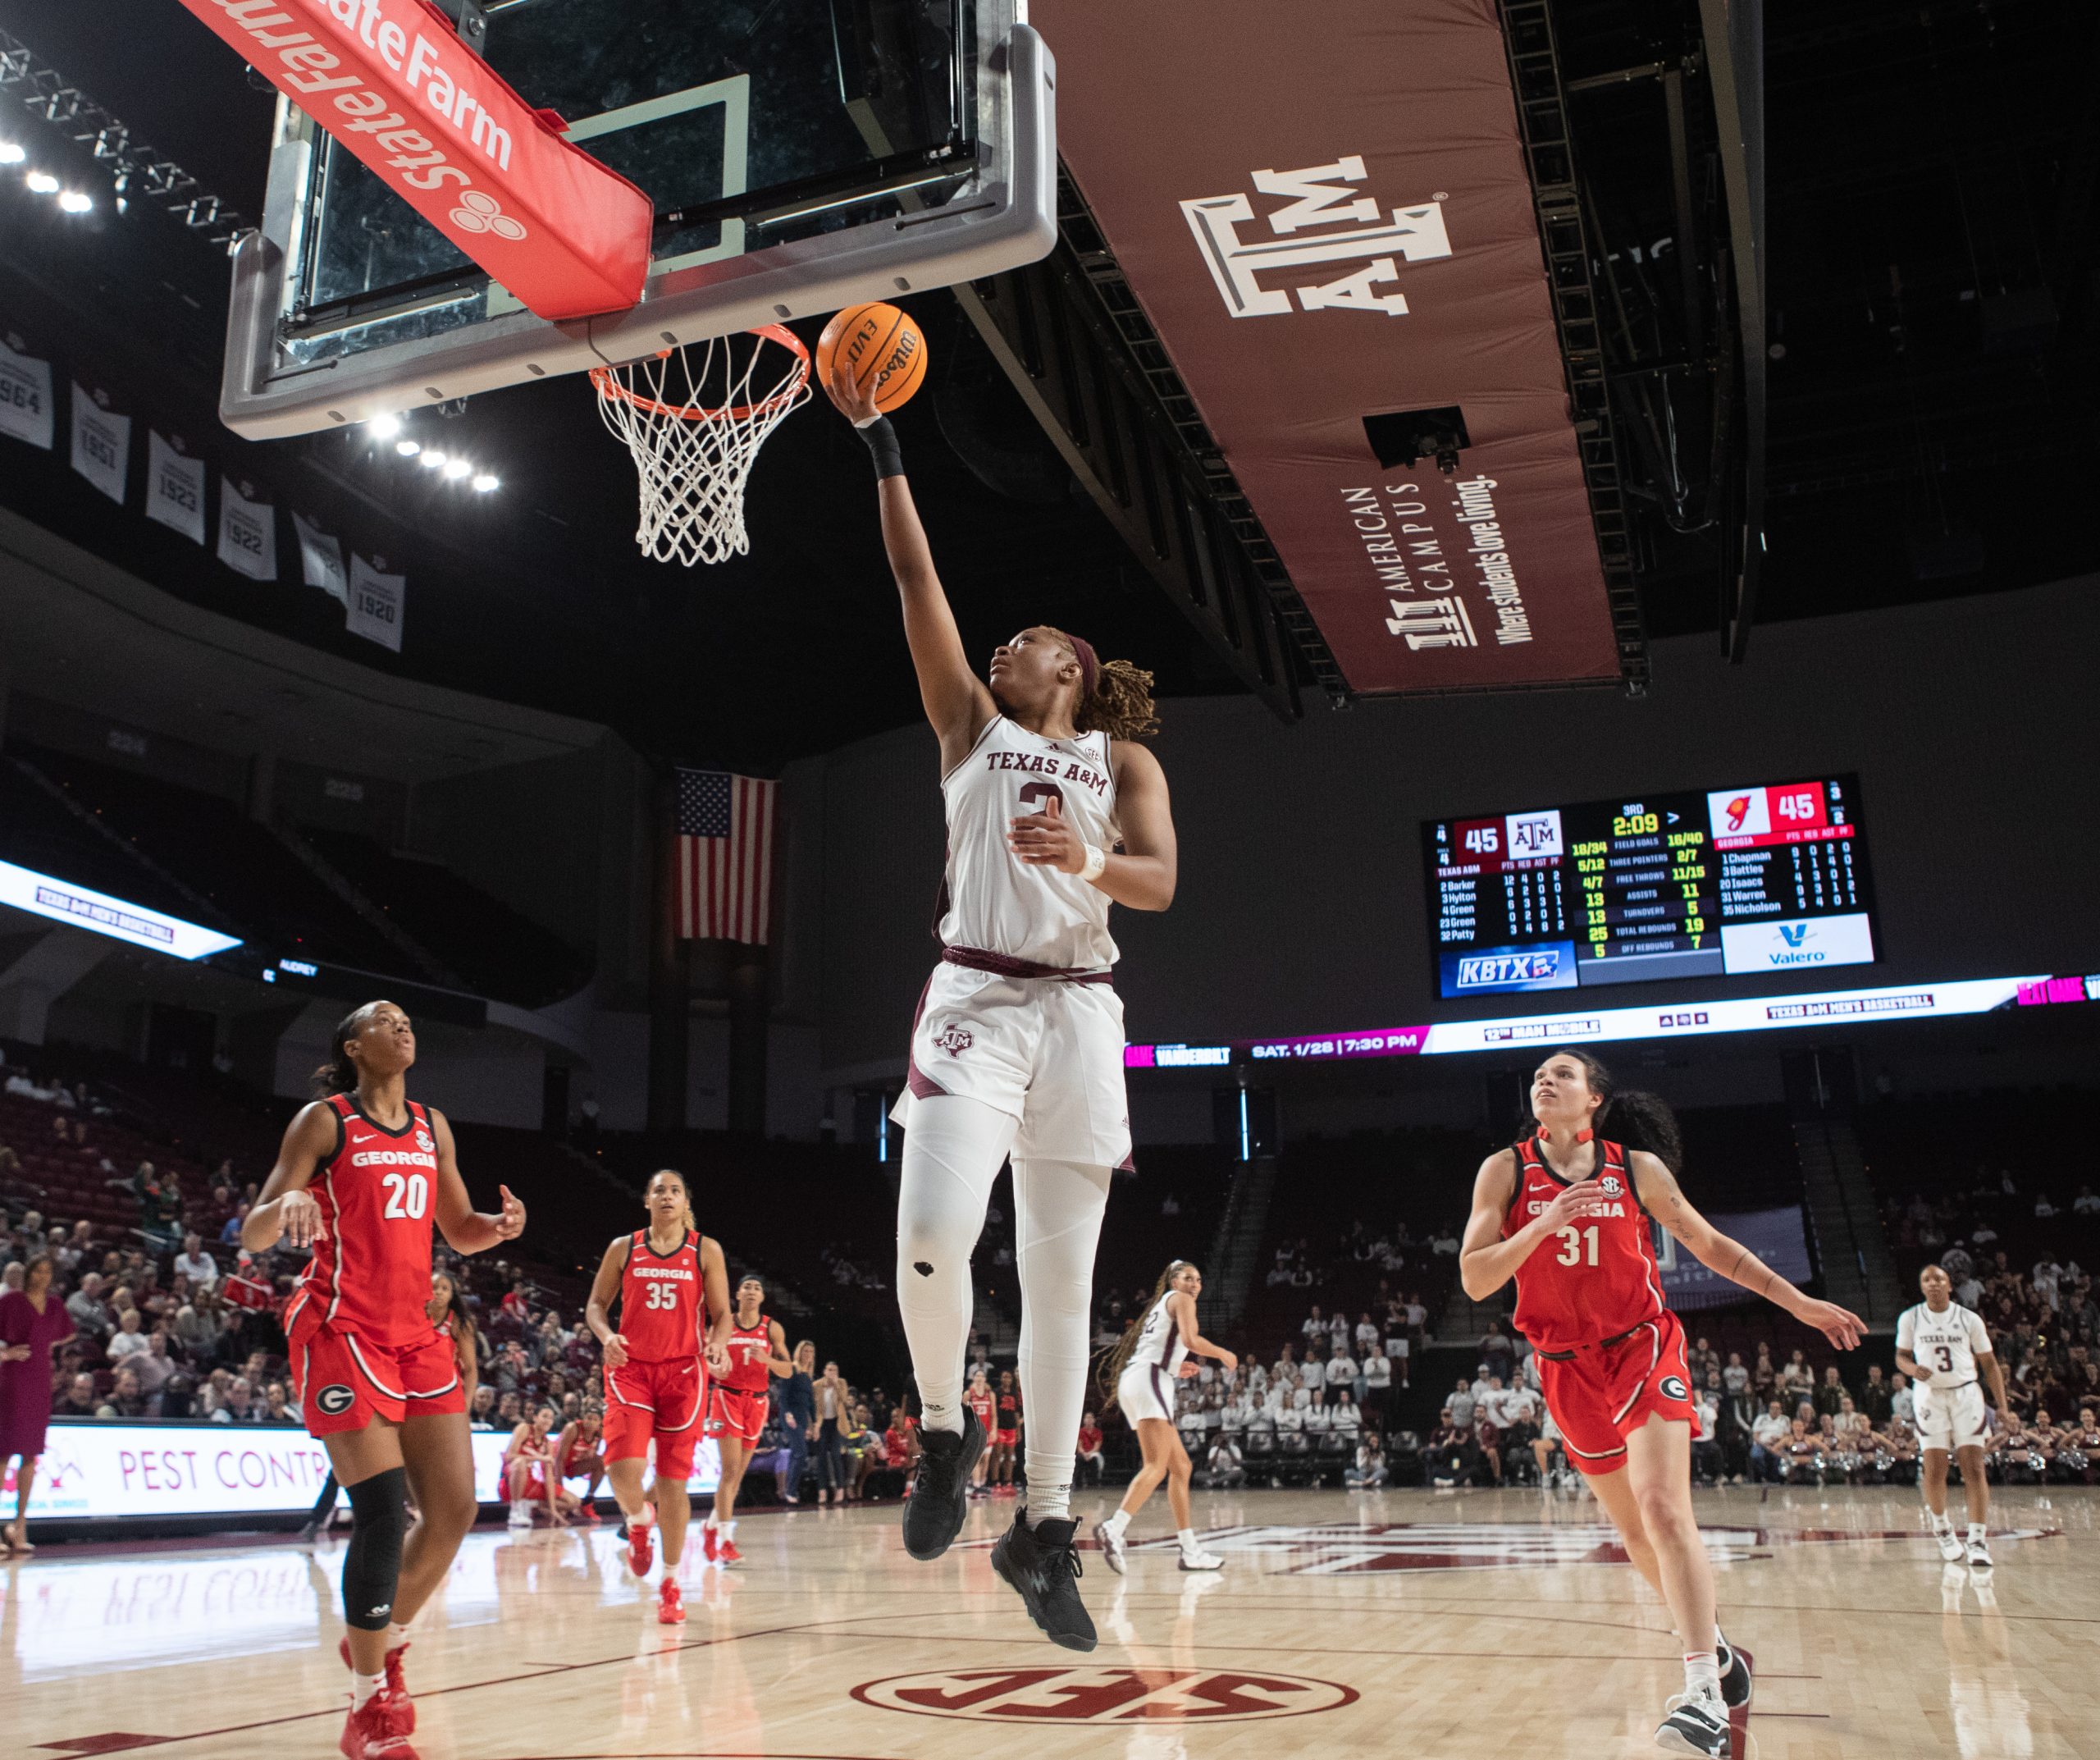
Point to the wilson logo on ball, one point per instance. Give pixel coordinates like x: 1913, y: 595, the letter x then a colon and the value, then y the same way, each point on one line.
x: 1136, y: 1696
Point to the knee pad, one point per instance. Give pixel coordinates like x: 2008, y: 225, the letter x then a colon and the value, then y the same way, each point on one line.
x: 372, y: 1562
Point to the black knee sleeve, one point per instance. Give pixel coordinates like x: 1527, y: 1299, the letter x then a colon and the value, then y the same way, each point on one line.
x: 372, y: 1562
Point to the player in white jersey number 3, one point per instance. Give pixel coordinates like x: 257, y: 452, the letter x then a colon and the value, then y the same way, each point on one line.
x: 1053, y: 812
x: 1943, y: 1347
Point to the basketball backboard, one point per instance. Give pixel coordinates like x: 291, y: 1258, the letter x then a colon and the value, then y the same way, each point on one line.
x: 801, y: 155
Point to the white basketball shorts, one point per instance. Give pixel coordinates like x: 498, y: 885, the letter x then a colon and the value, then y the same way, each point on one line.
x: 1046, y: 1051
x: 1950, y: 1417
x: 1145, y: 1390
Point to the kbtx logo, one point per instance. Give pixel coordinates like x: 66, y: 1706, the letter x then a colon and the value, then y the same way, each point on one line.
x: 1535, y: 968
x: 1321, y: 220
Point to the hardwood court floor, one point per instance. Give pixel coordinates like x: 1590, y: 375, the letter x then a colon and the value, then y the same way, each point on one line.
x: 1407, y: 1623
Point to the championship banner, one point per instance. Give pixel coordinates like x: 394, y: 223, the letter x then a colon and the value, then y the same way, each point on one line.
x: 248, y: 531
x: 320, y: 560
x: 1332, y: 230
x: 102, y: 442
x: 1777, y: 1236
x: 105, y: 1470
x: 174, y: 488
x: 391, y: 83
x: 375, y: 604
x: 25, y: 396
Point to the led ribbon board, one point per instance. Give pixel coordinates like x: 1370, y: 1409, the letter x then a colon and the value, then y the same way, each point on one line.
x: 1743, y: 1014
x: 83, y: 907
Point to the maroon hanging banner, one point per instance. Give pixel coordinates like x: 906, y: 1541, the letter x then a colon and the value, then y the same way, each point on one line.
x: 1324, y: 213
x: 393, y: 85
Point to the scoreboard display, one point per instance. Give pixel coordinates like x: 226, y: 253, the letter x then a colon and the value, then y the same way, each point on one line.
x: 1768, y: 878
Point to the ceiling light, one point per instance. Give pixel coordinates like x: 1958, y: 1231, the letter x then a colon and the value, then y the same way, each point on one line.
x: 456, y: 469
x: 74, y: 202
x: 12, y: 153
x: 433, y: 460
x: 42, y: 182
x: 386, y: 427
x: 484, y: 481
x: 408, y: 448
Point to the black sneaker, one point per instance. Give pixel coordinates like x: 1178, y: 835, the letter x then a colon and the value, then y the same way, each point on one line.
x: 1042, y: 1565
x: 1735, y: 1673
x: 1695, y: 1726
x: 940, y: 1496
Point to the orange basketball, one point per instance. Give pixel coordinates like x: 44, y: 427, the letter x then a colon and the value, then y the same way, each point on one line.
x: 876, y: 343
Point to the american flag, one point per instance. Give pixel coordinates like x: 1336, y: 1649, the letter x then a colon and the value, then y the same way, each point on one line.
x: 725, y: 856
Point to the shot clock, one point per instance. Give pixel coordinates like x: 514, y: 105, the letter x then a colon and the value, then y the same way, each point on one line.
x: 1770, y: 877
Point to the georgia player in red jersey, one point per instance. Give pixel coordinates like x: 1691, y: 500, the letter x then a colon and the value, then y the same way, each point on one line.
x: 737, y: 1412
x: 669, y: 1279
x: 363, y: 1174
x: 1566, y: 1211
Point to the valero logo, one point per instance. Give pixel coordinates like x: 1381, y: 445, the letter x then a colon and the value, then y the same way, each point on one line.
x: 1148, y: 1696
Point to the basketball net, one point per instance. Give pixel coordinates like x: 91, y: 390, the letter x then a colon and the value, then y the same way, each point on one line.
x: 693, y: 418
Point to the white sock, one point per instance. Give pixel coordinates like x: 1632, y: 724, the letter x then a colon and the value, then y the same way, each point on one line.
x: 1118, y: 1522
x: 1187, y: 1537
x: 729, y: 1529
x: 397, y: 1635
x: 1059, y: 1206
x: 362, y: 1687
x: 1942, y: 1522
x: 952, y: 1153
x: 1976, y: 1530
x: 1702, y: 1674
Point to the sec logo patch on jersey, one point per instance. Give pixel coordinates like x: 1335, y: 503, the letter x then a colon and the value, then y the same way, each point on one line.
x: 425, y: 1141
x: 1609, y: 1185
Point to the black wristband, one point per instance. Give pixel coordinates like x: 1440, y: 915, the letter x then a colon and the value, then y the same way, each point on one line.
x: 882, y: 447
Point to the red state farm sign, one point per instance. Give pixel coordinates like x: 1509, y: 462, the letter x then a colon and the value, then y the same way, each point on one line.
x: 391, y: 81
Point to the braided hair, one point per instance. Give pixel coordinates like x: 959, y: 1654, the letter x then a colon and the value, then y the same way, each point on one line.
x: 339, y: 1075
x: 1627, y: 1116
x: 1115, y: 695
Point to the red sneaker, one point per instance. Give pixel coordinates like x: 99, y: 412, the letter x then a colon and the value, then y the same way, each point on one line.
x: 588, y: 1512
x: 670, y: 1604
x: 396, y: 1683
x: 727, y: 1553
x: 641, y: 1548
x: 380, y: 1730
x: 710, y: 1537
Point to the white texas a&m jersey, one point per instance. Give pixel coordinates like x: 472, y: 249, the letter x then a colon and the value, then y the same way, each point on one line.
x: 993, y: 900
x: 1159, y: 1339
x: 1945, y: 1345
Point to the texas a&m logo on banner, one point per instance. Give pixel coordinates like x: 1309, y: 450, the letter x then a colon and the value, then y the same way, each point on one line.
x: 1317, y: 219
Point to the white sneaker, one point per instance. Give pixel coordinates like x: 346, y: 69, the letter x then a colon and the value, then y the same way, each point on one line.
x: 1696, y: 1725
x: 521, y: 1516
x: 1110, y: 1540
x: 1979, y: 1553
x: 1200, y: 1560
x: 1950, y: 1544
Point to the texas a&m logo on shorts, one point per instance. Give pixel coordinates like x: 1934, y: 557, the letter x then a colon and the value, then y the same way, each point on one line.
x: 954, y: 1038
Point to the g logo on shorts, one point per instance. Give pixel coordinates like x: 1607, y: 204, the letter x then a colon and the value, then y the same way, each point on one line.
x: 1672, y: 1388
x: 334, y: 1400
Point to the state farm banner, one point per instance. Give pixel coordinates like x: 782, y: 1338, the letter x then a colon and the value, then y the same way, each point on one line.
x: 391, y: 83
x: 1331, y: 228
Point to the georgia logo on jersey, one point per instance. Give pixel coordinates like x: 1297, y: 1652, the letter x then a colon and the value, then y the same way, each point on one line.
x: 1672, y: 1388
x: 335, y: 1399
x: 954, y: 1039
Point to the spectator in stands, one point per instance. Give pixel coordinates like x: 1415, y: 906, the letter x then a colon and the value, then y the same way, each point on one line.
x: 79, y: 1399
x: 126, y: 1399
x: 1796, y: 1380
x: 1900, y: 1401
x: 1377, y: 1382
x: 1452, y: 1456
x: 1831, y: 1395
x: 1343, y: 1374
x: 1314, y: 1329
x: 1873, y: 1397
x: 230, y: 1236
x: 794, y: 1398
x: 481, y: 1412
x: 90, y: 1313
x: 1767, y: 1432
x: 155, y: 1367
x: 1763, y: 1377
x: 1366, y: 1336
x: 1706, y: 1465
x: 1088, y: 1460
x: 197, y: 1329
x: 509, y: 1410
x: 1369, y: 1470
x: 1800, y: 1454
x: 161, y: 1218
x: 2087, y: 1203
x: 1348, y: 1418
x: 1223, y: 1467
x: 1458, y: 1406
x: 195, y: 1263
x: 241, y: 1406
x: 1497, y: 1350
x: 1312, y: 1378
x: 128, y: 1340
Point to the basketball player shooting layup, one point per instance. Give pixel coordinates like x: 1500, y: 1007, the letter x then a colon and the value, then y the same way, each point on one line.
x: 1566, y: 1211
x: 1018, y: 1046
x: 1943, y: 1347
x: 363, y: 1173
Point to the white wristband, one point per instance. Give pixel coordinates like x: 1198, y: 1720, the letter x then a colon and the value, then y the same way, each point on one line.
x: 1096, y: 861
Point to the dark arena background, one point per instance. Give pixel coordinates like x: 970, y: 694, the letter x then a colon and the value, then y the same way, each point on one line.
x: 1603, y: 490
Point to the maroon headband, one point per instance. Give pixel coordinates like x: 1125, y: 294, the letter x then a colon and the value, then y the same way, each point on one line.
x: 1089, y: 665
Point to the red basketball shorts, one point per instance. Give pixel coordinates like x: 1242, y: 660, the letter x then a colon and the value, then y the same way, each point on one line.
x: 660, y: 1402
x: 1006, y: 1438
x: 1604, y: 1392
x: 344, y: 1381
x: 740, y: 1412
